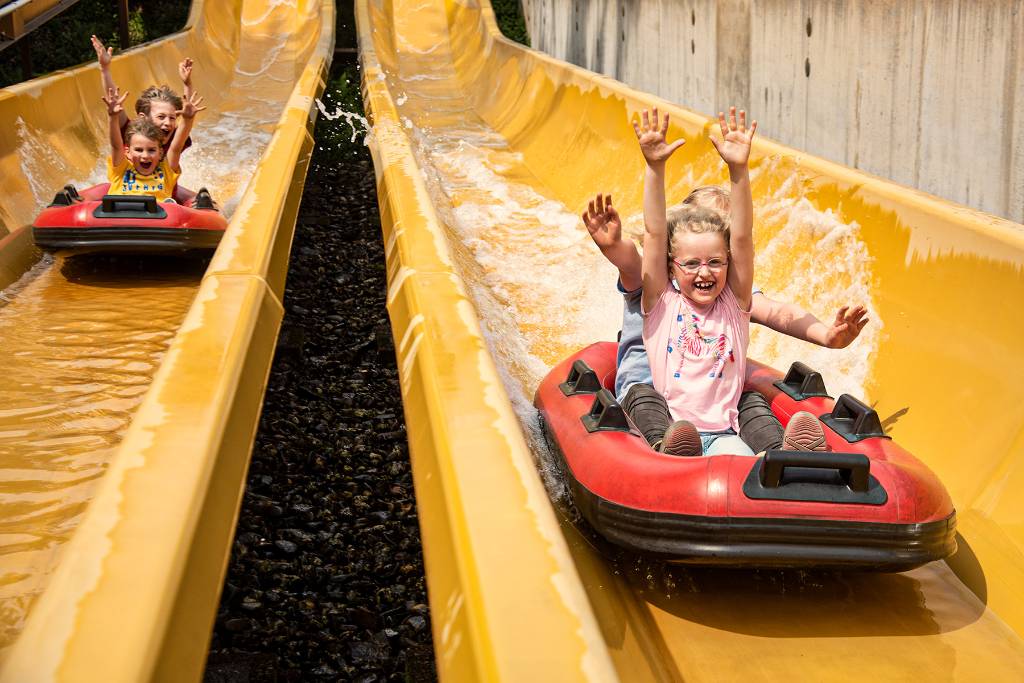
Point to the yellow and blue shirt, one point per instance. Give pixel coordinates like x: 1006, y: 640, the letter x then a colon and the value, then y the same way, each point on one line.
x: 124, y: 179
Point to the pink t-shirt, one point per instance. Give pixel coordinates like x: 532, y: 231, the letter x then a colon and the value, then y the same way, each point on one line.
x: 698, y: 357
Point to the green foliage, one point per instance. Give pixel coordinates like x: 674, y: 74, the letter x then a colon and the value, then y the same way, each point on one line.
x: 63, y: 41
x: 136, y: 26
x: 509, y: 14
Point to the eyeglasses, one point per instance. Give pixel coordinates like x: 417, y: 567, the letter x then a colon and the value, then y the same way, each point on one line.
x: 693, y: 265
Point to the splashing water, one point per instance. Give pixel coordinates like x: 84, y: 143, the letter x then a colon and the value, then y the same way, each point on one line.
x: 534, y: 297
x: 351, y: 118
x: 38, y: 159
x: 811, y: 258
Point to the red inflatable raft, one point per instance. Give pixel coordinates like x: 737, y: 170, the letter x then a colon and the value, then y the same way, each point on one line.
x: 96, y: 221
x: 867, y: 504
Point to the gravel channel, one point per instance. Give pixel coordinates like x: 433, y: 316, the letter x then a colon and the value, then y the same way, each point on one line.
x: 326, y: 575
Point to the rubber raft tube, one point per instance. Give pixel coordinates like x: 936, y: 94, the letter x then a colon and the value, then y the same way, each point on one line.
x: 867, y: 504
x: 95, y: 221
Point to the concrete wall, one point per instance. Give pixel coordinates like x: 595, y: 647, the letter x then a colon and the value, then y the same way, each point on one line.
x: 926, y: 93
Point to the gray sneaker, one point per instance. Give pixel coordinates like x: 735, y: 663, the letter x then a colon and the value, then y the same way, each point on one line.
x: 681, y: 438
x: 804, y: 433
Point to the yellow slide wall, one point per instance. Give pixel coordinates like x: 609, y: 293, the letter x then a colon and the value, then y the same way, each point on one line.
x: 946, y: 376
x: 135, y: 595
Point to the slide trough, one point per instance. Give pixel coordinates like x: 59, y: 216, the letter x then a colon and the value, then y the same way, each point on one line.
x: 486, y: 153
x: 131, y: 393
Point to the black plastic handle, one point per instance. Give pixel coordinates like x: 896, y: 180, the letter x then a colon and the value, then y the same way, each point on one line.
x: 66, y: 197
x: 854, y: 420
x: 129, y: 206
x: 802, y: 382
x: 854, y: 468
x: 605, y: 414
x: 581, y: 380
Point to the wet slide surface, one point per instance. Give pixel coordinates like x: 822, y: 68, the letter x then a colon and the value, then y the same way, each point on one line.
x: 509, y: 145
x: 87, y: 335
x: 84, y: 335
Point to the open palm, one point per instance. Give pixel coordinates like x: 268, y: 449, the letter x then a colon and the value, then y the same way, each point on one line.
x: 191, y: 107
x: 103, y: 54
x: 650, y: 133
x: 115, y: 100
x: 734, y: 147
x: 847, y: 326
x: 603, y: 222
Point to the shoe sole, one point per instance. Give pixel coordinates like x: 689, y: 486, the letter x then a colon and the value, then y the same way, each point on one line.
x: 682, y: 439
x: 804, y: 433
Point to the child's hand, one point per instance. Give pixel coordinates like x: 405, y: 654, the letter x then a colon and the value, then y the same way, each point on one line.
x: 185, y: 71
x: 115, y: 101
x: 651, y: 137
x: 734, y: 147
x: 191, y: 107
x: 603, y: 223
x: 846, y: 327
x: 103, y: 54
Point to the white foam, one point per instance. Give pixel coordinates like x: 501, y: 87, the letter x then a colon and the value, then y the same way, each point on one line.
x: 540, y: 287
x: 224, y: 153
x: 815, y: 260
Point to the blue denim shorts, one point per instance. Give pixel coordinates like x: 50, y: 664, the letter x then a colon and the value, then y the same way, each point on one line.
x: 716, y: 443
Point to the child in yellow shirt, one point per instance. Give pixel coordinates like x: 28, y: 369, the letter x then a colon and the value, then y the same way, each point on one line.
x: 138, y: 163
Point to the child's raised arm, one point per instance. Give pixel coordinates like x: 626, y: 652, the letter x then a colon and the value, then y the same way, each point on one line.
x: 793, y: 320
x: 115, y: 107
x: 605, y: 228
x: 650, y: 133
x: 734, y: 148
x: 103, y: 56
x: 188, y: 113
x: 185, y: 71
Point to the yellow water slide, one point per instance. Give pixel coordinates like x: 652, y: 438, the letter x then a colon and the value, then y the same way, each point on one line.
x: 486, y: 153
x: 130, y: 388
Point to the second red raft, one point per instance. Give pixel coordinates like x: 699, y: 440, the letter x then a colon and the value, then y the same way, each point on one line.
x: 95, y: 221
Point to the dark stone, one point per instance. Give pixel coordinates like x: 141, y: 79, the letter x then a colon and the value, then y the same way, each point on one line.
x: 286, y: 547
x: 237, y: 625
x: 326, y: 572
x: 370, y: 651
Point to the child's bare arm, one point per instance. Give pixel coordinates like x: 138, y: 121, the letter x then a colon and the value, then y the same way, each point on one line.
x: 794, y: 321
x: 103, y: 56
x: 656, y: 150
x: 185, y: 71
x: 115, y: 107
x: 191, y: 107
x: 605, y: 228
x: 734, y: 148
